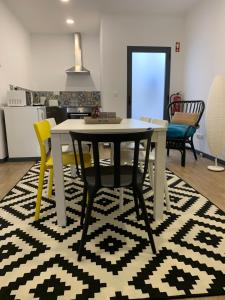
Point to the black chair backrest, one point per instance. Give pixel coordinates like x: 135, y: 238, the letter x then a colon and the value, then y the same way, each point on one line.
x: 116, y: 139
x: 187, y: 106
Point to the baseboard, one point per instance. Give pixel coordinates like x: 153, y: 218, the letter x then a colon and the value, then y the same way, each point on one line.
x: 2, y: 160
x: 20, y: 159
x: 210, y: 157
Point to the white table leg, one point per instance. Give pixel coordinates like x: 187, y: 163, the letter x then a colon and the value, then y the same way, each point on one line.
x: 58, y: 179
x: 160, y: 164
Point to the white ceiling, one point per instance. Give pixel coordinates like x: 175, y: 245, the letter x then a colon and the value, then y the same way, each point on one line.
x: 48, y: 16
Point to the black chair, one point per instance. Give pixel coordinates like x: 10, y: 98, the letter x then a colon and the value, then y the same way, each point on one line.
x: 179, y: 135
x: 112, y: 176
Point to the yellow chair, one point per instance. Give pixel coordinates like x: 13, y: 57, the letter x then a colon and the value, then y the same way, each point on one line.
x: 43, y: 132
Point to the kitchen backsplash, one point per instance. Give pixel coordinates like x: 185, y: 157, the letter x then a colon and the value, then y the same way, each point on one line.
x: 92, y: 98
x: 78, y: 98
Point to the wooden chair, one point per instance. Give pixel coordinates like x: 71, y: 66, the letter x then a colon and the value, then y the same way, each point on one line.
x: 126, y: 157
x: 43, y: 132
x: 113, y: 176
x: 184, y: 118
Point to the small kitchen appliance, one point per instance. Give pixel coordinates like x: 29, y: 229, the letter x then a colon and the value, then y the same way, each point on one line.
x: 19, y: 98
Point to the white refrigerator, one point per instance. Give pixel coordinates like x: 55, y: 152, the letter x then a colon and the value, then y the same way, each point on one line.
x: 21, y: 138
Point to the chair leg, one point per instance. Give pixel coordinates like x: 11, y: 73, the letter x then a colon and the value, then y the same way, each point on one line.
x: 145, y: 215
x: 73, y: 170
x: 166, y: 193
x: 39, y: 194
x: 168, y: 151
x: 50, y: 183
x: 193, y: 149
x: 151, y: 176
x: 86, y: 225
x: 136, y: 204
x: 183, y: 156
x: 84, y: 202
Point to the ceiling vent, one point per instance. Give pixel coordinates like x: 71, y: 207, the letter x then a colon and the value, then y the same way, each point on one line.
x: 78, y: 62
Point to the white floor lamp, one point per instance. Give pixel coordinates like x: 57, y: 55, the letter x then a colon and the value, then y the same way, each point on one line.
x: 215, y: 119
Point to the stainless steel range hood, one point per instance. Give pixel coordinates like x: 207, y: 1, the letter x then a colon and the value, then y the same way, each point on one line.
x: 78, y: 63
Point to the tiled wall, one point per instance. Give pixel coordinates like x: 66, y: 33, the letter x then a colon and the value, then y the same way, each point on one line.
x: 78, y: 98
x: 81, y: 98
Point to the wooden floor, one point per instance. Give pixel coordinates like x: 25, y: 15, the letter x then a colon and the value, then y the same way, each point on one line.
x: 11, y: 173
x: 208, y: 183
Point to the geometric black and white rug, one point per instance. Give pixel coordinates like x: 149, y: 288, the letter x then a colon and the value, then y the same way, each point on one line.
x: 39, y: 259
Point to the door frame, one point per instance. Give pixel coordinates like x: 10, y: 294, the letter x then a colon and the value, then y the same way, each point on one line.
x: 153, y: 49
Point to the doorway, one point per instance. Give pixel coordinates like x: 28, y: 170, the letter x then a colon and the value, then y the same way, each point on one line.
x: 148, y: 79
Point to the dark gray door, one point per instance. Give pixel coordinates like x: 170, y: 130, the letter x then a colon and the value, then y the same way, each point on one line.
x: 148, y: 81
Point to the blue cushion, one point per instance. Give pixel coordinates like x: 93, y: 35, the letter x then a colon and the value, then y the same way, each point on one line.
x: 177, y: 131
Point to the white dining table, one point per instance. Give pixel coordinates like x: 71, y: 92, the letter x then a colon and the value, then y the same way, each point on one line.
x: 61, y: 135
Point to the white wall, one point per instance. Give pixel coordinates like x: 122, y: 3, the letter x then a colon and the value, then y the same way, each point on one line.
x: 52, y: 54
x: 205, y: 54
x: 14, y: 60
x: 119, y: 32
x: 192, y: 70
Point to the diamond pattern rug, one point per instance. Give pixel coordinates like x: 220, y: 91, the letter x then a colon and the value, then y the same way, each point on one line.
x: 39, y: 259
